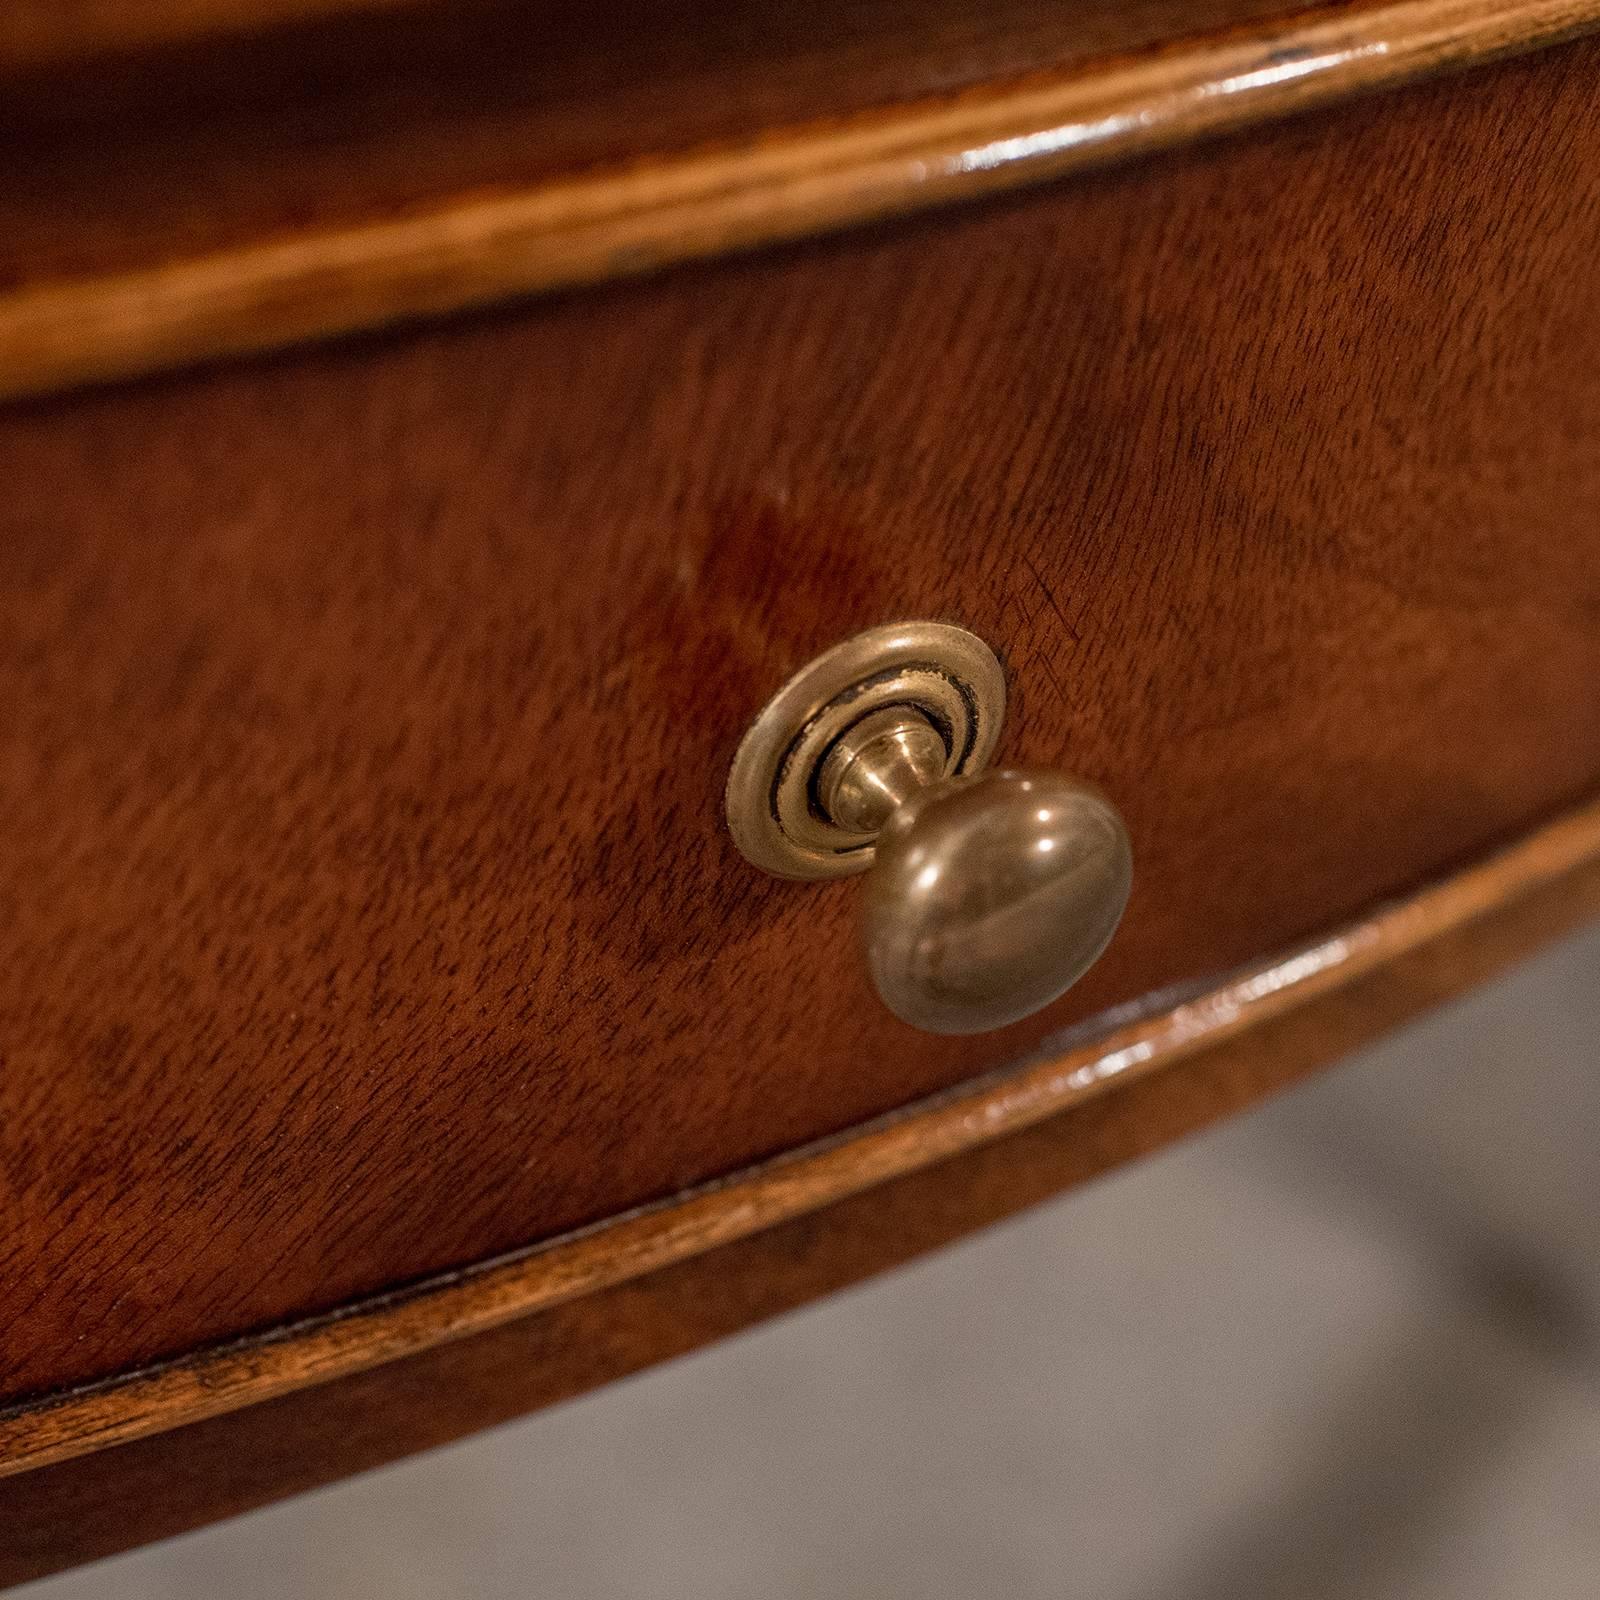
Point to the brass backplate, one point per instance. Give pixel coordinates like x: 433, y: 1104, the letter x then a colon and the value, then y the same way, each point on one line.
x: 948, y: 674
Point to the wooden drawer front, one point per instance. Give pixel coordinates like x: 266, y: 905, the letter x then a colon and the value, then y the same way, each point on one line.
x: 367, y: 906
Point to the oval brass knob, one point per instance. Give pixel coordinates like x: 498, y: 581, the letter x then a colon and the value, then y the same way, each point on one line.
x: 987, y: 894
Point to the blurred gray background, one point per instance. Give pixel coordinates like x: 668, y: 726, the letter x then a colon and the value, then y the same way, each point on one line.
x: 1347, y: 1346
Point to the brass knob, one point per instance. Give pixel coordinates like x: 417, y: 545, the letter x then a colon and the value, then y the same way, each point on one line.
x: 986, y: 896
x: 989, y: 896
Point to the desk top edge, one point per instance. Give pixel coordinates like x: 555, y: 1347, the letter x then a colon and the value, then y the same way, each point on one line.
x: 169, y: 297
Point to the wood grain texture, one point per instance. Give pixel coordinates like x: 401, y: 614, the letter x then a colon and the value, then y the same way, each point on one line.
x: 207, y: 207
x: 895, y: 1191
x: 366, y: 909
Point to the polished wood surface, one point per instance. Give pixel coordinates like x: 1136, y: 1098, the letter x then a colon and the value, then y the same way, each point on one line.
x: 700, y: 1271
x: 354, y: 176
x: 368, y: 910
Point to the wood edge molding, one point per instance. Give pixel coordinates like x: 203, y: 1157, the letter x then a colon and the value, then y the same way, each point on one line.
x: 1564, y: 854
x: 797, y: 182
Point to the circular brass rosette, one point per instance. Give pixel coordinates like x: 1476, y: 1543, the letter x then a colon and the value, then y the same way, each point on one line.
x: 951, y: 676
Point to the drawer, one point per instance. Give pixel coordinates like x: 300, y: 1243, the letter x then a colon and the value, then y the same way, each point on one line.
x: 369, y: 905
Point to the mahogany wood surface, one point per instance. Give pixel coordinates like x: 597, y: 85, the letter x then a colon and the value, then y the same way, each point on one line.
x: 904, y: 1187
x: 166, y: 207
x: 367, y: 909
x: 1538, y: 888
x: 42, y: 33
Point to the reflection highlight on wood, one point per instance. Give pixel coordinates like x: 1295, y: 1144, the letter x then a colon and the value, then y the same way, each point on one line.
x: 790, y: 183
x: 1556, y: 871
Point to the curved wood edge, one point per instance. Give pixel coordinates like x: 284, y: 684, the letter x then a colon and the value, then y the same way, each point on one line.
x: 1559, y: 866
x: 797, y: 182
